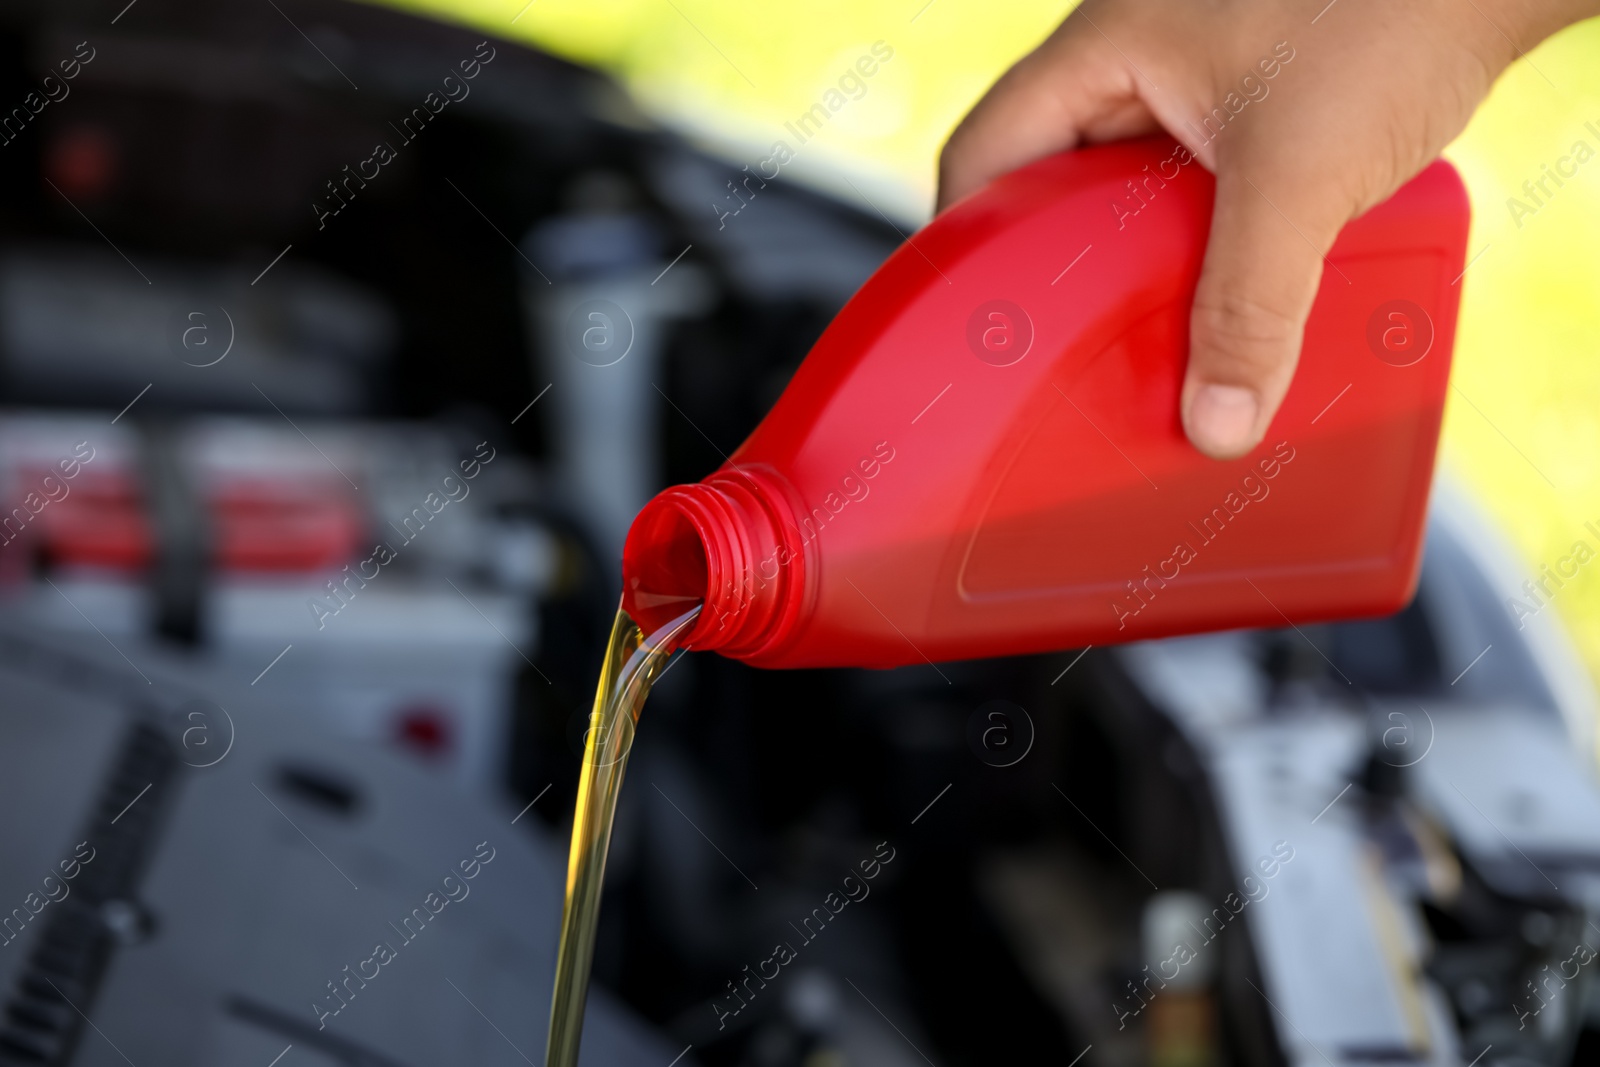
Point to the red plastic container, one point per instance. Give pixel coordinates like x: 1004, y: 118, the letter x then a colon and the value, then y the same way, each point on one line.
x: 982, y: 455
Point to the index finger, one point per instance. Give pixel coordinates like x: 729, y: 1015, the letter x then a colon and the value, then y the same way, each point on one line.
x: 1075, y: 88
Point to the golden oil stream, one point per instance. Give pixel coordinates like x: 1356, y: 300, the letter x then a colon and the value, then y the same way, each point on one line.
x: 633, y: 662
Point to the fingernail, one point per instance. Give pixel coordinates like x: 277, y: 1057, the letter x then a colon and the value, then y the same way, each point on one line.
x: 1222, y: 419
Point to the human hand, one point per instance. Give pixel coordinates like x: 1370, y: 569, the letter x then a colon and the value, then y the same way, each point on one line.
x: 1359, y: 98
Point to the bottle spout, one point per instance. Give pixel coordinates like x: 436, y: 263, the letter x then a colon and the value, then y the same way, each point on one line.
x: 728, y: 543
x: 664, y: 563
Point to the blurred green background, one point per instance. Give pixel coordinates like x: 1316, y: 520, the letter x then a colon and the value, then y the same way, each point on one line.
x: 1523, y: 423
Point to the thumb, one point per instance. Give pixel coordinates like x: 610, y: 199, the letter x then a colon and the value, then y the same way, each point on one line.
x: 1263, y: 265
